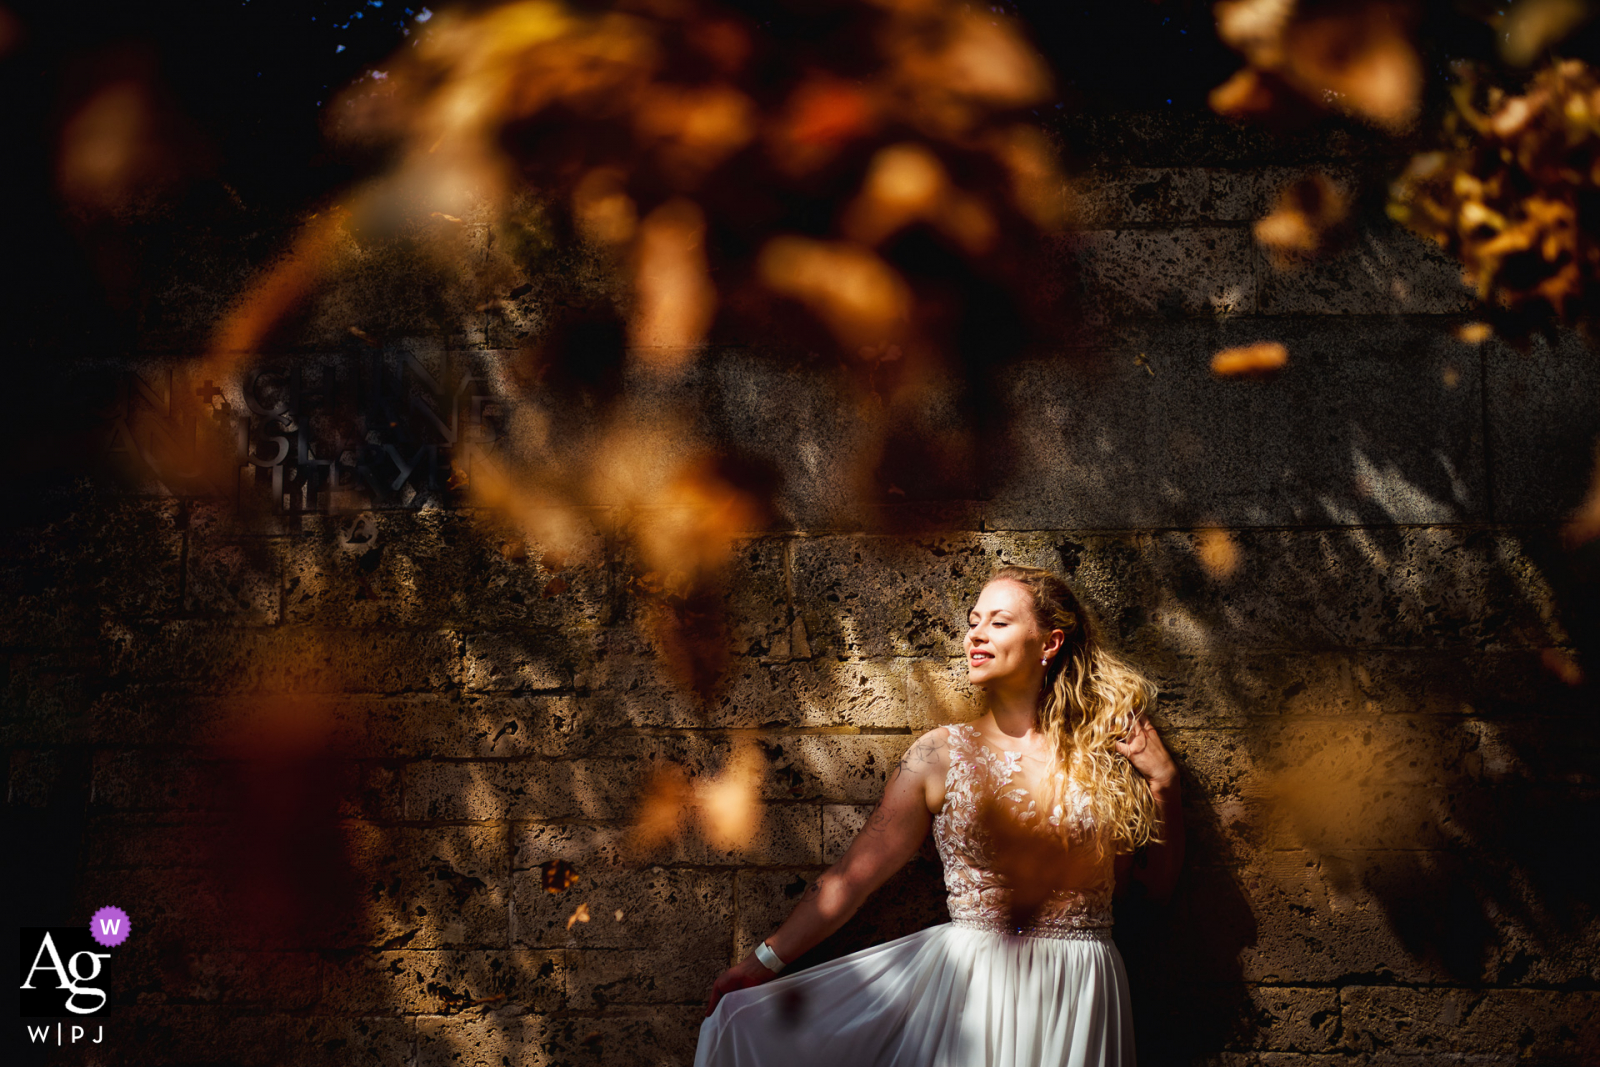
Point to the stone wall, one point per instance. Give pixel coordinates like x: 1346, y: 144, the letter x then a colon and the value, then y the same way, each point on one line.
x: 329, y: 768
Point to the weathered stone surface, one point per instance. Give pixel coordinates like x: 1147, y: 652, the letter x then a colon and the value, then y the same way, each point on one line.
x: 108, y: 559
x: 512, y: 663
x: 437, y: 568
x: 1115, y: 197
x: 428, y: 888
x: 1384, y: 270
x: 237, y: 579
x: 480, y: 791
x: 1543, y: 447
x: 659, y: 1036
x: 658, y: 974
x: 441, y: 981
x: 488, y: 1039
x: 1167, y: 196
x: 1542, y: 1025
x: 1378, y: 423
x: 659, y: 906
x: 156, y: 839
x: 193, y: 1034
x: 1162, y: 273
x: 142, y: 779
x: 332, y: 1041
x: 286, y: 981
x: 1354, y: 917
x: 223, y: 659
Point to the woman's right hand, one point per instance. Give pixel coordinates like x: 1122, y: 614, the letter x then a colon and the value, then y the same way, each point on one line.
x: 742, y: 975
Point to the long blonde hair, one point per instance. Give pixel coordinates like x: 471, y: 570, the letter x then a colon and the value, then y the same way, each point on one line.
x: 1090, y: 698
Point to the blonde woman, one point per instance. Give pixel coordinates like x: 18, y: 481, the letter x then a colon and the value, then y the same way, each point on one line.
x: 1031, y: 806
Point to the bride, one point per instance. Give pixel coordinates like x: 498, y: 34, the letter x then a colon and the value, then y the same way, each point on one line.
x: 1036, y: 807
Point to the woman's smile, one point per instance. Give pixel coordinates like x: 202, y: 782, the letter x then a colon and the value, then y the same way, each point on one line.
x: 1002, y: 640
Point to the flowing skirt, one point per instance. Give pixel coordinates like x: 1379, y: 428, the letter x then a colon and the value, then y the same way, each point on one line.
x: 948, y: 996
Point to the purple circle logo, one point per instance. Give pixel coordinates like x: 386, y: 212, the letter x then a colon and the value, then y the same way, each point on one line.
x: 110, y: 926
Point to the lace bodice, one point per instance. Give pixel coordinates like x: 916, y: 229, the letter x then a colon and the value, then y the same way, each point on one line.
x: 977, y: 893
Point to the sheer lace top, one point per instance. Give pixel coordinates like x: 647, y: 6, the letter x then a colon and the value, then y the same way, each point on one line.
x: 977, y: 893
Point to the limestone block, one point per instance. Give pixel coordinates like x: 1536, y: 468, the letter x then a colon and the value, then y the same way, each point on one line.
x: 512, y: 663
x: 145, y: 779
x: 1276, y: 1018
x: 427, y: 887
x: 160, y: 839
x: 434, y: 568
x: 677, y: 973
x: 238, y: 579
x: 872, y: 597
x: 1544, y: 1025
x: 373, y: 1041
x: 491, y: 1038
x: 283, y: 981
x: 1109, y: 198
x: 214, y: 659
x: 777, y: 834
x: 519, y: 789
x: 488, y: 725
x: 200, y: 1034
x: 645, y: 1036
x: 821, y: 693
x: 1503, y: 684
x: 759, y: 694
x: 584, y: 847
x: 1407, y: 916
x: 1204, y: 271
x: 1385, y: 270
x: 1543, y: 444
x: 50, y: 697
x: 1379, y: 422
x: 783, y: 834
x: 803, y: 425
x: 443, y: 981
x: 172, y: 903
x: 1236, y: 687
x: 849, y: 768
x: 45, y: 777
x: 109, y: 558
x: 1430, y: 587
x: 659, y: 907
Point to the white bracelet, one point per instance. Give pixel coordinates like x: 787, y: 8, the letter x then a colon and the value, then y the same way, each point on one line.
x: 769, y: 959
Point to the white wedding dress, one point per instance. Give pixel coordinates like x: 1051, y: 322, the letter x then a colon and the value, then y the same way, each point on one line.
x: 971, y: 993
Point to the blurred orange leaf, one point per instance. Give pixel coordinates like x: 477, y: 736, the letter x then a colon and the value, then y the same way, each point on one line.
x: 1218, y: 553
x: 1307, y: 211
x: 557, y: 876
x: 1264, y: 357
x: 860, y: 296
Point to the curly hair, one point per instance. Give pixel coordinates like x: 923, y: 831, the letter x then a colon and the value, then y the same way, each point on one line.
x: 1089, y: 702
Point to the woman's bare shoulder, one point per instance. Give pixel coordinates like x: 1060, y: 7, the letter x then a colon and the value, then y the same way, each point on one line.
x: 928, y: 752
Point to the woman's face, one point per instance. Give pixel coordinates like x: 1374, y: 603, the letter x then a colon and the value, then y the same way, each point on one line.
x: 1003, y: 640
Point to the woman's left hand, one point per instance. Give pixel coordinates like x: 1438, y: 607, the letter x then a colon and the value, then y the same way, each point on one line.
x: 742, y: 975
x: 1148, y: 755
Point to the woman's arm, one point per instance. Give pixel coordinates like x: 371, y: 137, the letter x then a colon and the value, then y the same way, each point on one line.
x: 1149, y: 757
x: 891, y: 836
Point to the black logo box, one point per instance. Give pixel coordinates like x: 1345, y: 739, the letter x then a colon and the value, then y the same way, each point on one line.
x: 74, y: 948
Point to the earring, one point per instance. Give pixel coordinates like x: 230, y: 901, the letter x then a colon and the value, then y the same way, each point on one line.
x: 1045, y: 662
